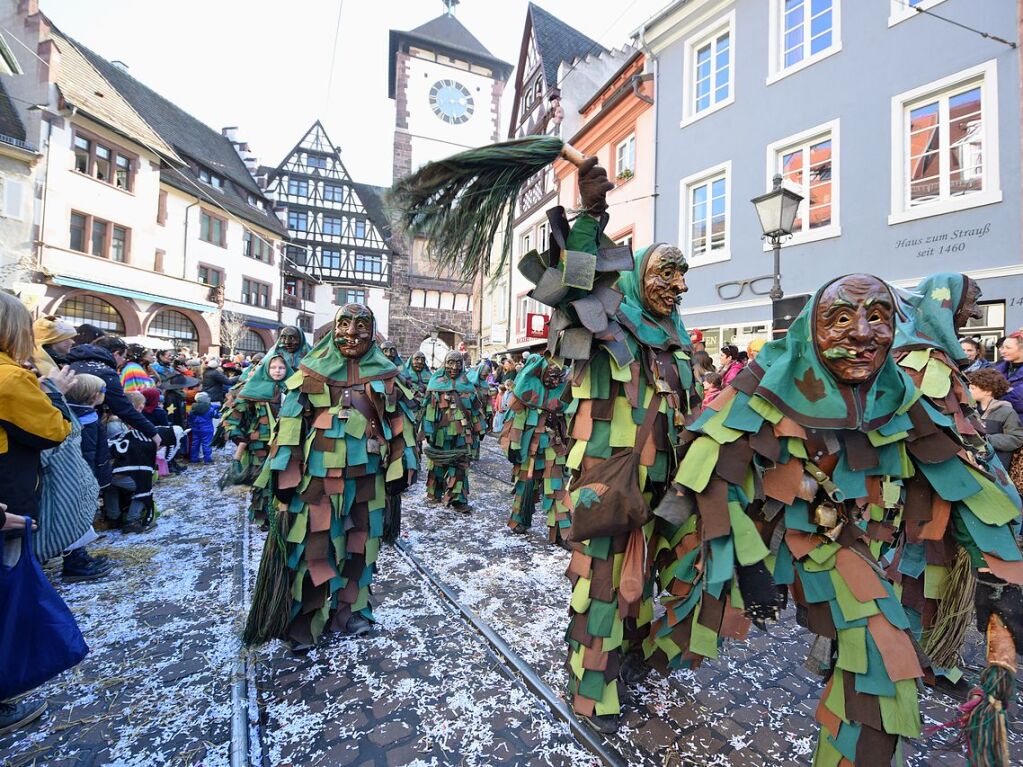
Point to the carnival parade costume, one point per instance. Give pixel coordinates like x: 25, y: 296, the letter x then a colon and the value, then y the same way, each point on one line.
x: 449, y: 426
x: 253, y: 417
x: 344, y: 440
x: 823, y: 448
x: 535, y: 439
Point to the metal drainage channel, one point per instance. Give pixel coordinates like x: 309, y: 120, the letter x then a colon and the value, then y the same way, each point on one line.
x: 514, y: 667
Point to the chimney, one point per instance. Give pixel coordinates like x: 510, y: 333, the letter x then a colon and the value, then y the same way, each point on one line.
x: 120, y: 65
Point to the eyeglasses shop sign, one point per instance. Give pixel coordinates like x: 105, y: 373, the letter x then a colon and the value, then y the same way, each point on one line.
x: 956, y: 241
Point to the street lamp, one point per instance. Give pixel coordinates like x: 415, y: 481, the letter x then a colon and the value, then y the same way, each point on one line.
x: 777, y: 213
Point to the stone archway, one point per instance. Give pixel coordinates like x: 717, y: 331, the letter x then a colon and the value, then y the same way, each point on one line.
x: 202, y: 329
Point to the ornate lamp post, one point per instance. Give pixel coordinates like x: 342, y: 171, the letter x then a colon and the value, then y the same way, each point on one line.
x: 777, y: 213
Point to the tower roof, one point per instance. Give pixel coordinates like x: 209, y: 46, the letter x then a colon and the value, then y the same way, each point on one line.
x: 556, y: 41
x: 445, y: 34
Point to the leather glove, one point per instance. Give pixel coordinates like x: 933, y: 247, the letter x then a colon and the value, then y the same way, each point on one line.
x: 759, y: 592
x: 593, y: 187
x: 994, y: 595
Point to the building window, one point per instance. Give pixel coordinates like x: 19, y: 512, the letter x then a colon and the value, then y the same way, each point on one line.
x: 526, y: 243
x: 255, y: 293
x: 106, y: 163
x: 945, y: 145
x: 78, y: 233
x: 344, y: 296
x: 989, y: 327
x: 332, y: 225
x: 333, y: 193
x: 305, y: 323
x: 118, y: 244
x: 97, y: 237
x: 209, y: 275
x: 802, y: 33
x: 212, y: 229
x: 209, y: 177
x: 808, y: 163
x: 528, y: 306
x: 709, y: 77
x: 298, y: 220
x: 315, y: 161
x: 368, y: 265
x: 330, y: 258
x: 257, y: 247
x: 250, y: 342
x: 82, y: 309
x: 906, y: 9
x: 625, y: 164
x: 296, y: 254
x: 174, y: 325
x: 298, y: 187
x: 360, y: 229
x: 704, y: 228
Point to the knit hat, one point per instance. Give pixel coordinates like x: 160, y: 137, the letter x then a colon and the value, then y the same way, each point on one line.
x: 152, y: 400
x: 51, y: 330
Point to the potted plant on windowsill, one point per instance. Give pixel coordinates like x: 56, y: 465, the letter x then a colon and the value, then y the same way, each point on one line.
x: 624, y: 175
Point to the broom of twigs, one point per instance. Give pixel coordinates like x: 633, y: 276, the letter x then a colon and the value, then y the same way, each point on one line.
x: 985, y: 720
x: 271, y: 596
x: 943, y: 639
x: 459, y: 203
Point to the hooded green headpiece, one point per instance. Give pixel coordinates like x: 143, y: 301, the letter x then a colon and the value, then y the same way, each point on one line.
x: 658, y: 332
x: 327, y: 362
x: 529, y: 386
x: 257, y: 383
x: 932, y: 308
x: 410, y: 373
x: 795, y: 380
x: 439, y: 381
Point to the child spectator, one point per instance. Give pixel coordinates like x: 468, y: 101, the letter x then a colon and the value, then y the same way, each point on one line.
x: 134, y: 460
x: 1001, y: 423
x: 711, y: 387
x: 200, y: 421
x: 503, y: 401
x: 84, y: 397
x: 153, y: 409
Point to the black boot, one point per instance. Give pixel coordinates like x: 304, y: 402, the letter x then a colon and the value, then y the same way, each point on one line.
x: 606, y: 724
x: 358, y: 625
x: 79, y: 566
x: 634, y: 668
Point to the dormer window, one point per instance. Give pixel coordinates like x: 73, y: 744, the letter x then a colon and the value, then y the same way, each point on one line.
x: 315, y: 161
x: 209, y: 177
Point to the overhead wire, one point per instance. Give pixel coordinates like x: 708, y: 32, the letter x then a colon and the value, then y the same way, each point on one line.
x: 928, y: 12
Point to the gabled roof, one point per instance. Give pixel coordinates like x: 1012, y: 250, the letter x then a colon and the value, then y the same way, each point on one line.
x: 556, y: 41
x: 85, y: 87
x: 448, y: 35
x: 192, y: 139
x: 373, y: 199
x: 10, y: 124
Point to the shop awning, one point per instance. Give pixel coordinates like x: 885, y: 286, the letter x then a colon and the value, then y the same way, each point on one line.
x: 259, y: 322
x: 74, y: 282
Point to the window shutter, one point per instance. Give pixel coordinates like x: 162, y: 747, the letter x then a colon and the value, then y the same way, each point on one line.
x: 12, y: 198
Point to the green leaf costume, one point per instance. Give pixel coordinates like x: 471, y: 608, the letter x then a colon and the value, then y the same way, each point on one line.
x: 252, y: 417
x: 449, y: 426
x: 631, y: 355
x: 940, y: 524
x: 484, y: 408
x: 535, y: 439
x: 418, y: 381
x: 831, y: 475
x: 344, y: 441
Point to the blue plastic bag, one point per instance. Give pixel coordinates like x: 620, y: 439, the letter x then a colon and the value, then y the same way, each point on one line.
x: 39, y: 637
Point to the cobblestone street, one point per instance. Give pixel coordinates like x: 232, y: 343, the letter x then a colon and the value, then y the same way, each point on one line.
x: 424, y: 689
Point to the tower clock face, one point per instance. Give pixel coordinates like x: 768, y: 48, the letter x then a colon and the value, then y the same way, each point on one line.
x: 451, y: 102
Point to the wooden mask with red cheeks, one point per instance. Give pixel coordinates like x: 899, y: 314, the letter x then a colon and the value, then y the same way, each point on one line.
x: 353, y: 330
x: 453, y: 365
x: 968, y: 307
x: 419, y: 362
x: 552, y: 375
x: 290, y: 339
x: 854, y: 324
x: 664, y: 280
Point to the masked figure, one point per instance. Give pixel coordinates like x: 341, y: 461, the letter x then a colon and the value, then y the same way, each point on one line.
x: 391, y: 352
x: 417, y: 373
x: 934, y: 561
x: 253, y: 417
x: 535, y: 439
x: 449, y: 427
x: 632, y: 389
x: 812, y: 448
x: 344, y: 441
x: 483, y: 411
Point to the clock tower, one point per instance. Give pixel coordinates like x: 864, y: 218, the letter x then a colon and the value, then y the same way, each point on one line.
x: 447, y: 91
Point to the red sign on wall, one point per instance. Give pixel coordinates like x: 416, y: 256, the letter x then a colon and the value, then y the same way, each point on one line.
x: 537, y: 325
